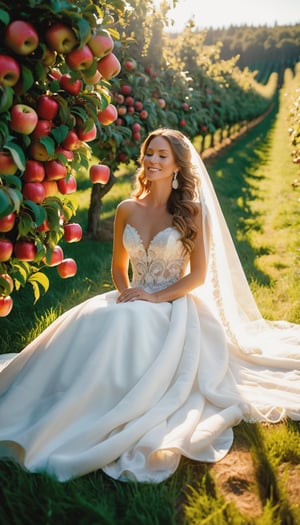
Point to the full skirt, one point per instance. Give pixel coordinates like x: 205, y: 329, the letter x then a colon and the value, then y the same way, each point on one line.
x: 129, y: 388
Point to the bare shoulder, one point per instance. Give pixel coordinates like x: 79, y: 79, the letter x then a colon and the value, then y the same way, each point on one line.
x: 127, y: 205
x: 125, y: 208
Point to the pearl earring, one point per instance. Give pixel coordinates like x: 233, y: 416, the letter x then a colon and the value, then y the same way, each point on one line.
x: 175, y: 181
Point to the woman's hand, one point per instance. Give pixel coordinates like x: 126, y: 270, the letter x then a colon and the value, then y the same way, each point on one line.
x: 135, y: 294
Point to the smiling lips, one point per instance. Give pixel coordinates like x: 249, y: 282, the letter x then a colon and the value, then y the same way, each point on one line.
x: 153, y: 169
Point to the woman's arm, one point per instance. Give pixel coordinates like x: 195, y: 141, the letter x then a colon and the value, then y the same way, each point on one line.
x: 120, y: 259
x: 186, y: 284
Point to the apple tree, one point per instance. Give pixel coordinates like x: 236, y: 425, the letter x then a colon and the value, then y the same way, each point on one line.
x: 56, y: 62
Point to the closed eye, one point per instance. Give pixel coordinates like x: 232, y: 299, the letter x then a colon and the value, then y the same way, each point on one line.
x: 160, y: 156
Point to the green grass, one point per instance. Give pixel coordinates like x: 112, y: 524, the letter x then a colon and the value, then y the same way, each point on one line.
x: 254, y: 184
x: 253, y: 180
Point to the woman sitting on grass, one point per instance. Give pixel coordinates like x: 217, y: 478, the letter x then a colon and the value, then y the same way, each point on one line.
x: 166, y: 364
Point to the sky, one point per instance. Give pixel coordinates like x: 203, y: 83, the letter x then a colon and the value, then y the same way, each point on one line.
x: 223, y: 13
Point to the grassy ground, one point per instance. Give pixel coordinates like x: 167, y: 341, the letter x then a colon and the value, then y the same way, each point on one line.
x: 258, y: 482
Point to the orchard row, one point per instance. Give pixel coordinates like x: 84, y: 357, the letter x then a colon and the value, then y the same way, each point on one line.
x: 72, y: 88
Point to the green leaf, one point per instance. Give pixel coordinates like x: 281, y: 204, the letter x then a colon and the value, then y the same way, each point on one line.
x: 59, y: 133
x: 20, y: 272
x: 49, y: 144
x: 6, y: 206
x: 25, y: 225
x: 80, y: 112
x: 39, y: 213
x: 39, y: 72
x: 27, y: 78
x: 53, y: 219
x: 17, y: 154
x: 38, y: 280
x: 6, y: 98
x: 4, y: 286
x: 4, y: 131
x: 4, y: 17
x: 12, y: 180
x: 83, y: 29
x: 16, y: 197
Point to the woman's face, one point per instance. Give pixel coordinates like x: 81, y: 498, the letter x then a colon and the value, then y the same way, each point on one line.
x: 159, y: 162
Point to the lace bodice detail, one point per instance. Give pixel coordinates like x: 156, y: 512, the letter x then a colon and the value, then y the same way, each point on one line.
x: 159, y: 266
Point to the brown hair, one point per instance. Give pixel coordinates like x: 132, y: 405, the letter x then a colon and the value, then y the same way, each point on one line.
x: 182, y: 201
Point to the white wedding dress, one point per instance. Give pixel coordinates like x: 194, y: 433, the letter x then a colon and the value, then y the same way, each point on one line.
x: 130, y: 387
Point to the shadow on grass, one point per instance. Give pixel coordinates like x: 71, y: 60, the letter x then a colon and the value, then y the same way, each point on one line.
x: 234, y: 176
x: 265, y: 472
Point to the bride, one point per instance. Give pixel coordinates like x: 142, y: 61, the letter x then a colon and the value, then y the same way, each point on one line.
x: 167, y: 363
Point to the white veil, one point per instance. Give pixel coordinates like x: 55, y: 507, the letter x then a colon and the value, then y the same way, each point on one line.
x: 226, y: 287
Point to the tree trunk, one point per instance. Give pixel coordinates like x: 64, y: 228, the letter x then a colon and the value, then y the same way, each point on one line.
x: 94, y: 218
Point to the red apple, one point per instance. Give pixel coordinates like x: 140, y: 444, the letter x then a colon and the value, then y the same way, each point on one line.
x: 7, y: 164
x: 50, y: 187
x: 138, y: 105
x: 55, y: 170
x: 185, y: 106
x: 9, y: 71
x: 94, y: 79
x: 162, y: 103
x: 72, y: 232
x: 72, y: 141
x: 23, y: 119
x: 34, y: 191
x: 182, y: 122
x: 57, y: 256
x: 129, y: 101
x: 45, y: 226
x: 42, y: 129
x: 120, y: 122
x: 143, y: 114
x: 109, y: 66
x: 21, y: 37
x: 122, y: 110
x: 39, y: 152
x: 34, y: 171
x: 119, y: 98
x: 67, y: 153
x: 136, y: 127
x: 136, y: 135
x: 7, y: 223
x: 130, y: 64
x: 101, y: 44
x: 71, y: 86
x: 99, y: 173
x: 7, y: 286
x: 6, y: 249
x: 67, y: 268
x: 130, y: 110
x: 25, y: 250
x: 108, y: 115
x: 122, y: 157
x: 89, y: 135
x: 61, y: 38
x: 126, y: 89
x: 55, y: 74
x: 47, y: 107
x: 6, y: 304
x: 67, y: 186
x: 80, y: 59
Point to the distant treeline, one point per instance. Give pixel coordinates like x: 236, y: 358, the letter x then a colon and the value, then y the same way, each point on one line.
x: 261, y: 48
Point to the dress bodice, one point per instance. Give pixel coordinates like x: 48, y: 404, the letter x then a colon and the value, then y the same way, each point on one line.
x: 163, y: 263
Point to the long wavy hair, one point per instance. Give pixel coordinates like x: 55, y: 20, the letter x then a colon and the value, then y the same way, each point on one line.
x: 182, y: 203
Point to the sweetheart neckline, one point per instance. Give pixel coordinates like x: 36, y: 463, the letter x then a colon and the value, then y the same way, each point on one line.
x: 153, y: 238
